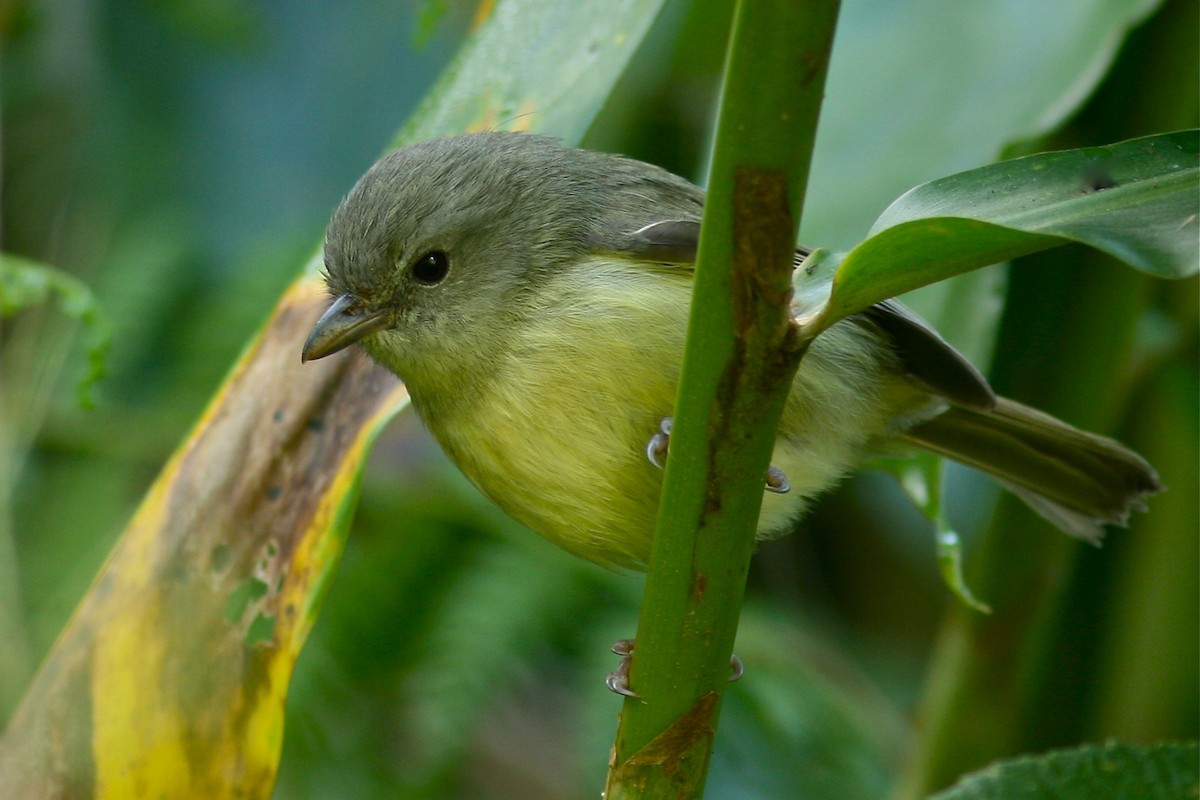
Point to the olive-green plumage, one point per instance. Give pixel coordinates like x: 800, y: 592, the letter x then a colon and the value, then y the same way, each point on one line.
x: 534, y: 299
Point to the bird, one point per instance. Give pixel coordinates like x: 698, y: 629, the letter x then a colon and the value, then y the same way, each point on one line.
x: 534, y: 299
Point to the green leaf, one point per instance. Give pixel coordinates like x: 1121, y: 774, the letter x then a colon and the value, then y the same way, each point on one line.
x: 25, y: 284
x: 879, y: 138
x: 202, y: 714
x: 920, y: 477
x: 881, y: 134
x: 904, y: 258
x: 1136, y: 200
x: 1092, y: 772
x: 535, y: 65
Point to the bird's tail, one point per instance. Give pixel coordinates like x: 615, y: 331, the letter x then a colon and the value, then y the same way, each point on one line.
x: 1077, y: 480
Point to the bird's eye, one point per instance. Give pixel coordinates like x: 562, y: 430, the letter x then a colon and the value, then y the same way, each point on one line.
x: 431, y: 268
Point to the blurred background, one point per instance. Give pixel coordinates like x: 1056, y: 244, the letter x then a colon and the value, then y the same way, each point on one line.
x: 180, y: 159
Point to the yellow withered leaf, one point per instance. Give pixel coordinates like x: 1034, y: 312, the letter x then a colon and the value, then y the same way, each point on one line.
x: 170, y: 679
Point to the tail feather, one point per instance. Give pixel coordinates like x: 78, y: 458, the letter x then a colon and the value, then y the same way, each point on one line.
x: 1076, y: 480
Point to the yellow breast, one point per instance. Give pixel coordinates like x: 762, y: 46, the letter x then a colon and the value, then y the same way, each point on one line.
x: 558, y: 438
x: 558, y: 441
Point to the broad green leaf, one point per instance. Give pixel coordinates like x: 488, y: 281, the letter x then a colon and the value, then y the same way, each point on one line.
x: 1091, y: 772
x: 171, y: 677
x: 904, y: 258
x: 1136, y: 200
x: 894, y: 117
x: 906, y: 102
x: 534, y: 66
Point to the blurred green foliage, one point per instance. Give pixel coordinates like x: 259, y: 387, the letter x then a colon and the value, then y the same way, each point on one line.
x: 181, y: 159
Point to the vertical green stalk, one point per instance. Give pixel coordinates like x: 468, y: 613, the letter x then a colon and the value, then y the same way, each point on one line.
x: 738, y: 365
x: 1143, y: 698
x: 989, y: 673
x: 1069, y: 325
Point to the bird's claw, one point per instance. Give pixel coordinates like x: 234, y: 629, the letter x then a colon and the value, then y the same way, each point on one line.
x: 777, y: 481
x: 657, y: 447
x: 736, y: 668
x: 660, y: 443
x: 618, y: 680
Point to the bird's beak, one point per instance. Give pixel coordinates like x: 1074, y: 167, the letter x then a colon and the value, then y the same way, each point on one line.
x: 341, y: 326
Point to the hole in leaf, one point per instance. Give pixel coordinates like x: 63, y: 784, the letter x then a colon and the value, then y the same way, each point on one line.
x: 262, y: 629
x: 241, y: 597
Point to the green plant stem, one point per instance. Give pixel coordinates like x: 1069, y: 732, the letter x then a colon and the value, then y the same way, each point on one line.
x: 1153, y: 599
x: 741, y: 355
x: 986, y: 687
x: 989, y: 673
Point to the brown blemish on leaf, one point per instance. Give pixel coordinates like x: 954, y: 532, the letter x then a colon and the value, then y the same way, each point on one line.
x: 249, y: 500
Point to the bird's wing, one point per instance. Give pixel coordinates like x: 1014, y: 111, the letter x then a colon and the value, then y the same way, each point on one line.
x: 671, y: 241
x: 928, y: 358
x: 925, y: 355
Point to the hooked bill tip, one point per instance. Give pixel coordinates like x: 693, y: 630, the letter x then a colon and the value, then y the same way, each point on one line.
x: 340, y: 326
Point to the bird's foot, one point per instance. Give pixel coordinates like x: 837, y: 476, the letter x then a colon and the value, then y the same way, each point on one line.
x: 660, y: 443
x: 777, y: 481
x: 618, y: 680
